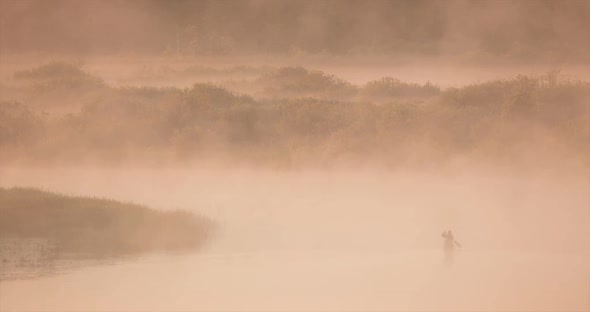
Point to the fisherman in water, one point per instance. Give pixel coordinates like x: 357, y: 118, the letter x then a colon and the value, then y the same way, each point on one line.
x: 449, y: 245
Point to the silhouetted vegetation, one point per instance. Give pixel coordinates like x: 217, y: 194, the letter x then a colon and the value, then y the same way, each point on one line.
x: 164, y: 73
x: 60, y: 76
x: 298, y: 81
x: 96, y: 227
x: 307, y: 117
x: 388, y: 87
x: 55, y: 70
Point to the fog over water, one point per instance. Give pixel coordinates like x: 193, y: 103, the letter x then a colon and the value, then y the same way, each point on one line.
x: 294, y: 156
x: 292, y: 239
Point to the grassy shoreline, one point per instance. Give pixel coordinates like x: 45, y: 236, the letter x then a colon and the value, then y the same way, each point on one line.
x: 96, y: 226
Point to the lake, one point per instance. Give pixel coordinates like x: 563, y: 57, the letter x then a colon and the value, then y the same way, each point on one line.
x: 359, y: 240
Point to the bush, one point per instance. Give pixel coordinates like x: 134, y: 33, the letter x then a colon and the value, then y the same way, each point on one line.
x: 299, y: 81
x: 18, y: 124
x: 392, y: 87
x: 208, y: 94
x: 494, y: 119
x: 60, y: 76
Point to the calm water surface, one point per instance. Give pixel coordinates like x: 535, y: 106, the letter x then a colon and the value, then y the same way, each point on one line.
x: 331, y: 241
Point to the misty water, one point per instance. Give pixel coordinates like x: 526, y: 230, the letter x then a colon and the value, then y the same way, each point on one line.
x: 332, y: 240
x: 330, y: 143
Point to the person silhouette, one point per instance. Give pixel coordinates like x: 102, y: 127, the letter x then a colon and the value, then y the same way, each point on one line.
x: 449, y: 245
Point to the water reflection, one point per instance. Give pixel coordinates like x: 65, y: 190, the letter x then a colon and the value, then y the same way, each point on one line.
x: 26, y: 258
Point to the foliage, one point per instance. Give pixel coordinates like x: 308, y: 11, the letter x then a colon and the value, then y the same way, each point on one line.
x: 307, y: 120
x: 96, y: 226
x: 53, y: 70
x: 289, y: 81
x: 392, y: 87
x: 18, y: 124
x: 60, y: 76
x: 149, y: 73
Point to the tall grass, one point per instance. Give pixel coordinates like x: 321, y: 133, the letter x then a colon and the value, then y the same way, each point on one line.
x: 95, y: 226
